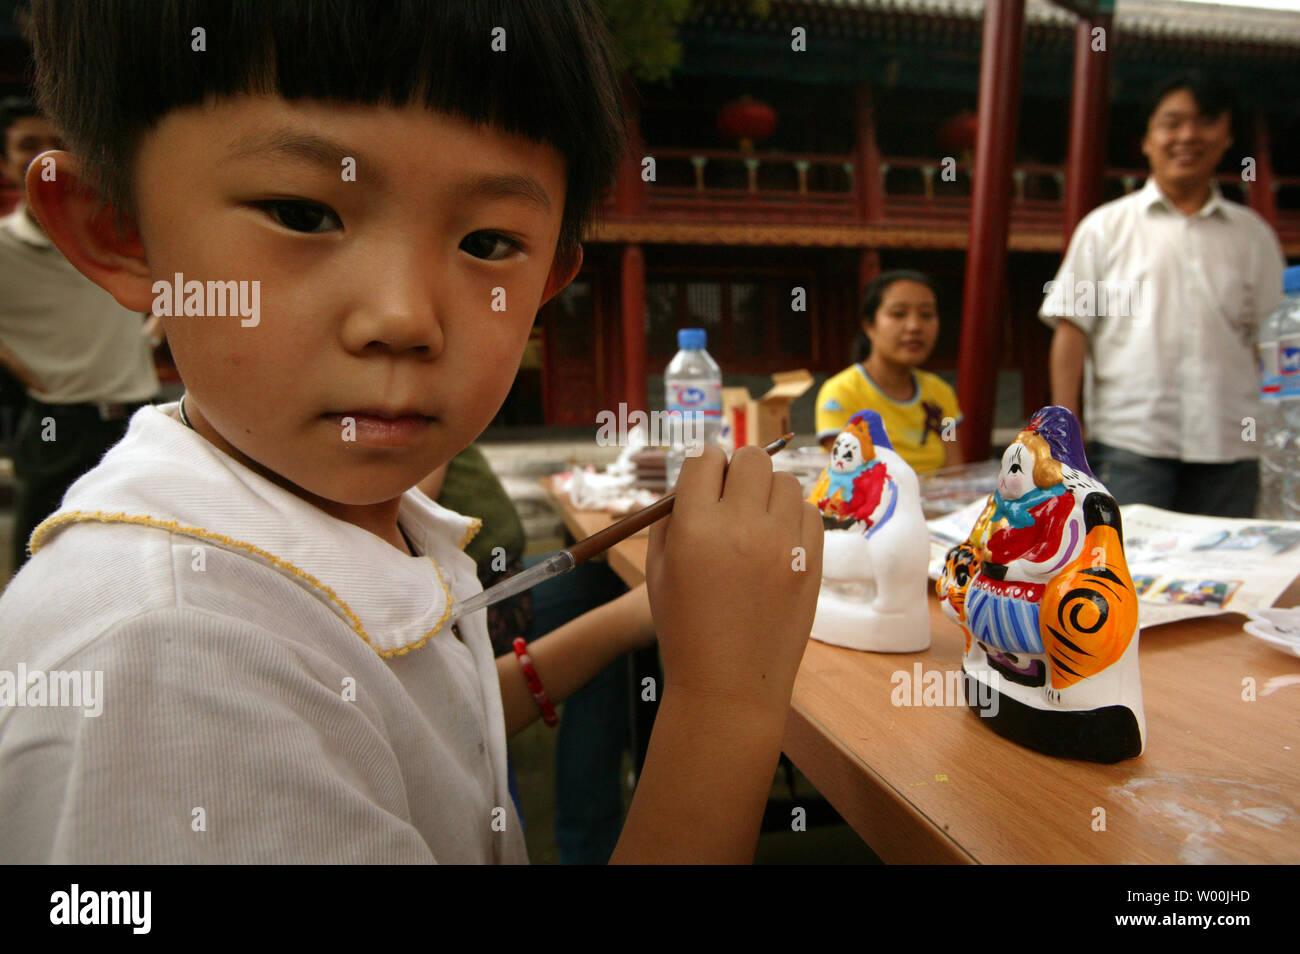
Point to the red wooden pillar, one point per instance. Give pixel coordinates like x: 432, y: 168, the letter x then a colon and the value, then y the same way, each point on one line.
x: 632, y: 308
x: 868, y: 272
x: 629, y: 189
x: 1085, y: 186
x: 607, y: 313
x: 625, y: 375
x: 1262, y: 197
x: 868, y: 185
x: 986, y: 252
x: 1085, y: 169
x: 629, y: 200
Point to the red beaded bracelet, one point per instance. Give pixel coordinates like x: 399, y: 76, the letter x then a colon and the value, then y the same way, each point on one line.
x: 535, y: 684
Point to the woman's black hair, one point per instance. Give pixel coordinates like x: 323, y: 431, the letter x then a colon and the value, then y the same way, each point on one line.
x: 875, y: 294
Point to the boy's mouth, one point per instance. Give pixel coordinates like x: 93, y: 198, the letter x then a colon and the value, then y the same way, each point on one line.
x: 384, y: 413
x: 380, y: 428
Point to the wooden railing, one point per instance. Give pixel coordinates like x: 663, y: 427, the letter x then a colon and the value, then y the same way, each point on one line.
x: 1040, y: 185
x: 701, y: 183
x: 726, y: 180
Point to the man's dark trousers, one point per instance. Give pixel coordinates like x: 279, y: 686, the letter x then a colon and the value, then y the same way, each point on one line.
x: 56, y: 444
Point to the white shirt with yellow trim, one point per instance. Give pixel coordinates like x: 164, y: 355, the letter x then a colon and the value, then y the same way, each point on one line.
x: 277, y: 685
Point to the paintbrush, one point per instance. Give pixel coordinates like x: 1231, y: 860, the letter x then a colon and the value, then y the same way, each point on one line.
x: 565, y: 560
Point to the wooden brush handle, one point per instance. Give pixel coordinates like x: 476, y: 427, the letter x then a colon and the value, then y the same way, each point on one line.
x: 634, y: 523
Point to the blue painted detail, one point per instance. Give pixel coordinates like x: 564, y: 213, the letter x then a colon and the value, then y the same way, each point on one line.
x: 1003, y: 622
x: 875, y: 427
x: 889, y: 511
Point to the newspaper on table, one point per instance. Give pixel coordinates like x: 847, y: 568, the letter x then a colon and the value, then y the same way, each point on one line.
x: 1183, y: 566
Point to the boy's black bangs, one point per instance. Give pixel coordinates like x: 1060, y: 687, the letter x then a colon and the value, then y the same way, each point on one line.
x: 553, y: 82
x: 437, y: 53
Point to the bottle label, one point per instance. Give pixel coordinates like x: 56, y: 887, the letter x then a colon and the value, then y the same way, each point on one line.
x: 1288, y: 366
x: 1268, y: 381
x: 699, y: 397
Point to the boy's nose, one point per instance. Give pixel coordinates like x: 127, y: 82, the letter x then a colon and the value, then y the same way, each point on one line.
x: 398, y: 313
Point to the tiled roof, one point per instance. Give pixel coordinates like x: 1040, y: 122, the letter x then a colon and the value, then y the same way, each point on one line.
x: 1155, y: 19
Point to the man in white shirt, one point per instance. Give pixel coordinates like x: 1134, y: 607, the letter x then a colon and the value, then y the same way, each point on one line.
x: 85, y: 361
x: 1162, y: 293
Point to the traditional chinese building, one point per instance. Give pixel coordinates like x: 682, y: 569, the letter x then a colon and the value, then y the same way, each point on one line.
x: 844, y: 175
x: 814, y: 144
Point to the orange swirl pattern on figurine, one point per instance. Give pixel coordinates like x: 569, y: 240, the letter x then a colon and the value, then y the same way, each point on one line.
x: 1089, y: 612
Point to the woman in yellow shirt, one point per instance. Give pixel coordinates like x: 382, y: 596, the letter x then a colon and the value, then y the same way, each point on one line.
x: 900, y: 324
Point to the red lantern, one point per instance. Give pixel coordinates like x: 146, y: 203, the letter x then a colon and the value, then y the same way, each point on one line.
x: 747, y: 120
x: 957, y: 134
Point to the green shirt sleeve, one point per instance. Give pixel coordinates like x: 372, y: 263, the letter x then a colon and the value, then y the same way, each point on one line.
x: 471, y: 488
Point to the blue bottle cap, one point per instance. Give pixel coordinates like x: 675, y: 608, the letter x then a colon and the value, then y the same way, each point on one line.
x: 1291, y: 281
x: 692, y: 339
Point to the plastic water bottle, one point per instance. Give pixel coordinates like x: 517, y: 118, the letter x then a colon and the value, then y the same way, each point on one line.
x: 693, y: 390
x: 1279, y: 358
x: 1270, y: 423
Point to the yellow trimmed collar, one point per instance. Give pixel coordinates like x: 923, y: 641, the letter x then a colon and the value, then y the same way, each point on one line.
x: 166, y: 476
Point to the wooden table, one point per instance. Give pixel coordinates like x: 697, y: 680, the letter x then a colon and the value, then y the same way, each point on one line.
x: 1217, y: 784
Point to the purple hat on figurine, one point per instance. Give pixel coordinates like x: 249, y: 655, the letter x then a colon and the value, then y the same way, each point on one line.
x: 1060, y: 429
x: 875, y: 427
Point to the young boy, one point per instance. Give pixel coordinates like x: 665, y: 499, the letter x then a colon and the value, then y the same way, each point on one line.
x: 267, y: 600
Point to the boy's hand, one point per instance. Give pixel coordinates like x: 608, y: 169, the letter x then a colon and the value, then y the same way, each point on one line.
x: 733, y: 575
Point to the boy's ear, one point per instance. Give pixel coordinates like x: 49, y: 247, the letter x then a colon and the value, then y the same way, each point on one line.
x: 82, y: 227
x: 562, y: 272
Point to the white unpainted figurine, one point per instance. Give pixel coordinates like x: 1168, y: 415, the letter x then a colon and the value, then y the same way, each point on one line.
x: 875, y: 561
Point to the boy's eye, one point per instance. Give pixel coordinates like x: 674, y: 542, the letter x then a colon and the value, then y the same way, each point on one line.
x: 298, y: 215
x: 491, y: 246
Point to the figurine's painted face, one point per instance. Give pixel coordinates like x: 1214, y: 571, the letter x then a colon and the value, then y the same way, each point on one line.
x: 847, y: 455
x: 1017, y: 476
